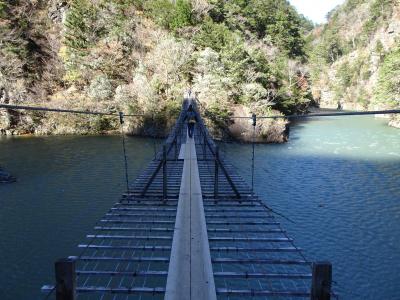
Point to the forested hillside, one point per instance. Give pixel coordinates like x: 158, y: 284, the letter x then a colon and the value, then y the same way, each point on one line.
x: 140, y: 56
x: 355, y: 57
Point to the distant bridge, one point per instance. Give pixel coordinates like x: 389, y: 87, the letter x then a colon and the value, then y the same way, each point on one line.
x: 189, y: 227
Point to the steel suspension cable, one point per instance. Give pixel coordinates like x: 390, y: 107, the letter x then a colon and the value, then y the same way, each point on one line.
x: 61, y: 110
x: 335, y: 114
x: 121, y: 121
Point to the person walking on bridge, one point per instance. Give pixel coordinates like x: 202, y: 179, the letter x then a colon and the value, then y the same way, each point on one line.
x: 191, y: 119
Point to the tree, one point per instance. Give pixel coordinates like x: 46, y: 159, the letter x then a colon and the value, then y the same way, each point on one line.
x: 388, y: 87
x: 183, y: 14
x: 213, y: 35
x: 280, y: 21
x: 171, y: 15
x: 81, y: 31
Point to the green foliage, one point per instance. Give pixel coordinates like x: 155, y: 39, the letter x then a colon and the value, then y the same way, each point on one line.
x: 363, y: 99
x: 81, y: 32
x: 102, y: 124
x: 306, y: 24
x: 277, y: 19
x: 388, y: 87
x: 344, y: 74
x: 108, y: 43
x: 213, y: 35
x: 379, y: 47
x: 274, y: 19
x: 100, y: 88
x: 379, y: 12
x: 126, y: 4
x: 350, y: 5
x: 331, y: 48
x: 183, y: 14
x: 170, y: 15
x: 293, y: 94
x: 220, y: 116
x: 349, y: 74
x: 21, y: 55
x: 3, y: 7
x: 236, y: 60
x: 295, y: 102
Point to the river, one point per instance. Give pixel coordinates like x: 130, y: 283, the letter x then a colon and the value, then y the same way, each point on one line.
x: 337, y: 179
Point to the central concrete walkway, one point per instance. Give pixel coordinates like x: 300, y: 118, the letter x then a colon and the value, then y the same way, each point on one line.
x: 190, y: 274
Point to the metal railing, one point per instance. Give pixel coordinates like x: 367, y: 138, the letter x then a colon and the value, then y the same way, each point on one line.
x: 219, y: 164
x: 162, y: 156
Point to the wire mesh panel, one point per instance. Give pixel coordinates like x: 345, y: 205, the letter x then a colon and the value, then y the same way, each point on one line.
x: 252, y: 256
x: 128, y: 254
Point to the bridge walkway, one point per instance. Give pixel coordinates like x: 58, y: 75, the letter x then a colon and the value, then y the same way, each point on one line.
x: 132, y: 252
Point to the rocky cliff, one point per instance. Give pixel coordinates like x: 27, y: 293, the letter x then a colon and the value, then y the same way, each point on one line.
x: 356, y: 57
x: 140, y: 56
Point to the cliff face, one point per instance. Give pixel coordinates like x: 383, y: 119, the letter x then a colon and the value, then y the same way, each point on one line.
x: 140, y: 56
x: 354, y: 56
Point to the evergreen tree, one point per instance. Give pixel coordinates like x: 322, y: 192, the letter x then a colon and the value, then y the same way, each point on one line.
x: 170, y: 15
x: 182, y: 15
x: 388, y: 87
x: 80, y: 32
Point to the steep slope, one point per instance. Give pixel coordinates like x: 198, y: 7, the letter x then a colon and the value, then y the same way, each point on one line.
x: 140, y: 56
x: 356, y: 56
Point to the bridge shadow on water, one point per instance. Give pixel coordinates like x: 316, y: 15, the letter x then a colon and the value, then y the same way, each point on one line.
x: 346, y: 210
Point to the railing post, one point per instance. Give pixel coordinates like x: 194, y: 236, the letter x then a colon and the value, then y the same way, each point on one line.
x: 321, y: 281
x: 254, y: 117
x: 204, y: 146
x: 176, y: 149
x: 65, y: 279
x: 216, y: 173
x: 165, y: 172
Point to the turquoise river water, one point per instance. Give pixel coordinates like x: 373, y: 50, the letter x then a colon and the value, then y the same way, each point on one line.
x: 337, y: 179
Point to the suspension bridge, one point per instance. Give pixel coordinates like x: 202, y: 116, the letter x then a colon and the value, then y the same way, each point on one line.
x: 189, y: 227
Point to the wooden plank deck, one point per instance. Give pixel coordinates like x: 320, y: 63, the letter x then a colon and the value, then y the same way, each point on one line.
x: 190, y: 272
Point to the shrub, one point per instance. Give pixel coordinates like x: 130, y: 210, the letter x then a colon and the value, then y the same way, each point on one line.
x: 379, y: 12
x: 344, y: 75
x: 388, y: 87
x: 254, y: 92
x: 3, y: 7
x: 220, y: 116
x: 102, y: 124
x: 81, y: 32
x: 170, y: 15
x: 363, y: 99
x: 213, y: 35
x: 100, y: 88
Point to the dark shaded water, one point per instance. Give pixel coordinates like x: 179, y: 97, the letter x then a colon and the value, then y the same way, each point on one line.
x: 337, y: 178
x: 65, y: 185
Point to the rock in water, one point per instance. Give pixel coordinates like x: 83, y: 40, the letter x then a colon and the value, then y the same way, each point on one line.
x: 6, y: 177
